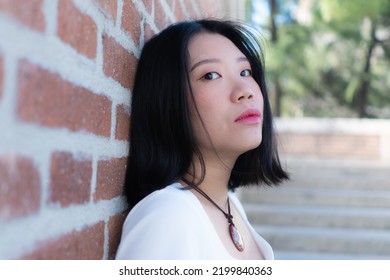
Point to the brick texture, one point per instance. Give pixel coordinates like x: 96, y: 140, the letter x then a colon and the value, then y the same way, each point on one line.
x: 178, y: 11
x: 109, y: 7
x: 331, y: 145
x: 122, y: 129
x: 110, y: 178
x: 20, y: 187
x: 80, y: 32
x: 86, y: 244
x: 160, y: 18
x: 45, y: 98
x: 131, y: 20
x: 70, y: 179
x: 118, y: 63
x: 27, y: 12
x: 149, y: 33
x: 114, y: 233
x: 64, y: 133
x: 148, y: 5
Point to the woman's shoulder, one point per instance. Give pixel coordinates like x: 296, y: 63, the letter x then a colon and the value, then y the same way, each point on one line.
x: 170, y: 198
x: 164, y: 225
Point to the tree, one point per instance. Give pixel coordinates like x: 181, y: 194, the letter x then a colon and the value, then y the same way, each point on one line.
x: 373, y: 14
x: 334, y: 64
x: 274, y: 39
x: 275, y: 11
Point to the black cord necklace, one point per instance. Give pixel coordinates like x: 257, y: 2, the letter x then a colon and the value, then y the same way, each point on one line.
x: 234, y: 233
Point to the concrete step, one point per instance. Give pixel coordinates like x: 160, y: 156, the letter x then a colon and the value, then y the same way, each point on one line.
x: 341, y: 181
x: 328, y: 241
x: 322, y: 174
x: 301, y: 255
x: 329, y: 210
x: 319, y: 164
x: 317, y: 197
x: 318, y: 216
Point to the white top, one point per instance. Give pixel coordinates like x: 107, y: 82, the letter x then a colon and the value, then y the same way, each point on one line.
x: 171, y: 223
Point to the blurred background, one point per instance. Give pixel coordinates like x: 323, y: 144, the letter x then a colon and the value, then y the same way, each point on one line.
x: 328, y: 73
x: 326, y: 58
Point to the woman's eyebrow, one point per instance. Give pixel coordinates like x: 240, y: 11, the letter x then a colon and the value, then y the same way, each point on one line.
x: 242, y: 58
x: 205, y: 61
x: 215, y: 60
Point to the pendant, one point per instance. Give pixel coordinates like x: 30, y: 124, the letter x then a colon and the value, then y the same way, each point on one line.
x: 236, y: 238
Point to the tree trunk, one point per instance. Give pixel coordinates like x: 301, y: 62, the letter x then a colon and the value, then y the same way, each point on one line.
x: 274, y: 38
x: 362, y: 94
x: 274, y: 30
x: 278, y: 95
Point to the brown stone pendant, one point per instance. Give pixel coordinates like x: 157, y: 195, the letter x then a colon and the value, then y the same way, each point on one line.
x: 236, y: 237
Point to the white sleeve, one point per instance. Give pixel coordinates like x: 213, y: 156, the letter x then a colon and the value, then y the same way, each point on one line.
x: 160, y: 227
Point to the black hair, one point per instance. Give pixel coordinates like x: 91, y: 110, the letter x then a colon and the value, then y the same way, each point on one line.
x: 162, y: 143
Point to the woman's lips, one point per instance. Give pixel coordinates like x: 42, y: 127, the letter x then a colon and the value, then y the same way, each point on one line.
x: 250, y: 116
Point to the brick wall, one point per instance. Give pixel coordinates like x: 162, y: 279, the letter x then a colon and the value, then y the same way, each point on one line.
x: 66, y: 73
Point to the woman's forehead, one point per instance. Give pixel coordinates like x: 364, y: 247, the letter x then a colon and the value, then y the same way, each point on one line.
x: 206, y: 46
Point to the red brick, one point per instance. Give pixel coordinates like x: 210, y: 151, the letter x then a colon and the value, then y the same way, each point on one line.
x: 352, y: 146
x: 190, y: 10
x: 70, y: 179
x: 114, y: 233
x: 177, y: 10
x: 209, y: 9
x: 45, y: 98
x: 213, y: 9
x: 131, y: 20
x: 20, y: 187
x: 77, y: 29
x: 297, y: 143
x: 122, y: 129
x: 118, y: 63
x: 109, y: 7
x: 28, y: 12
x: 331, y: 145
x: 149, y: 33
x: 149, y: 5
x: 110, y: 178
x: 1, y: 76
x: 160, y: 18
x: 87, y: 244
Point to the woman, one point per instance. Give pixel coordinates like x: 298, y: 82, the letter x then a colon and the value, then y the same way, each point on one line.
x: 201, y: 127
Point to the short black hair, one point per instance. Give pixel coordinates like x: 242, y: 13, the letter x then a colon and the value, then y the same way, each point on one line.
x: 162, y: 143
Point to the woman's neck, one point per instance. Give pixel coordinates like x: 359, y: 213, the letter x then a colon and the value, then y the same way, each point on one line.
x: 216, y: 178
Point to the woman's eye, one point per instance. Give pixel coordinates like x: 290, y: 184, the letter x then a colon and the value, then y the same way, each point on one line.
x: 246, y: 73
x: 211, y: 76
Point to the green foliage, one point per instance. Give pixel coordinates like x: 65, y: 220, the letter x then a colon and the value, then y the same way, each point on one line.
x: 320, y: 67
x: 352, y: 10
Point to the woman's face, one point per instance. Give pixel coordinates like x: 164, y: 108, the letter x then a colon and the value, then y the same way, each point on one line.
x: 228, y: 99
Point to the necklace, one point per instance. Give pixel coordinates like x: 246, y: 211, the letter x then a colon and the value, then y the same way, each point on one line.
x: 234, y: 233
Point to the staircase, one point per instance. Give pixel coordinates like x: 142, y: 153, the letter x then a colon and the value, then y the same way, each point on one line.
x: 328, y: 210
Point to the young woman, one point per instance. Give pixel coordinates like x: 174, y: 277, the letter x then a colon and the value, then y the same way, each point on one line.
x: 201, y: 127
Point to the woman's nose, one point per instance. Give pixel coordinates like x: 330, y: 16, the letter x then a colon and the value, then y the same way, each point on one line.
x: 241, y: 92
